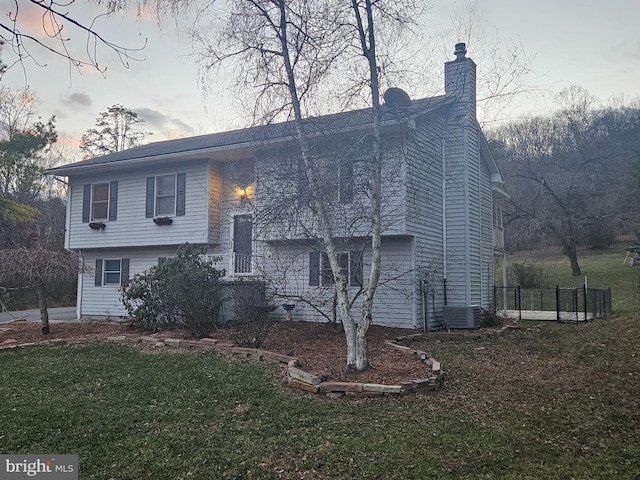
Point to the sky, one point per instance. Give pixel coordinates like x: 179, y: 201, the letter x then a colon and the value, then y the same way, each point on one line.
x: 590, y: 43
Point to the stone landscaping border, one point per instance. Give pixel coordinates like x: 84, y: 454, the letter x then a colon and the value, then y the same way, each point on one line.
x: 295, y: 377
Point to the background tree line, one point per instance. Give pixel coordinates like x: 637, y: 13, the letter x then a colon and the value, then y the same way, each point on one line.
x: 34, y: 266
x: 572, y: 174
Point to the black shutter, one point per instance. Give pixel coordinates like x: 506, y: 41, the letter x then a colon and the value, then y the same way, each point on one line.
x: 314, y: 269
x: 344, y: 265
x: 98, y: 279
x: 357, y: 277
x: 151, y: 185
x: 346, y: 181
x: 113, y: 200
x: 124, y: 272
x: 86, y: 203
x: 181, y: 186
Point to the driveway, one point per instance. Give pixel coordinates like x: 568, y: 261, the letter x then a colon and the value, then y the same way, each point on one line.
x: 62, y: 313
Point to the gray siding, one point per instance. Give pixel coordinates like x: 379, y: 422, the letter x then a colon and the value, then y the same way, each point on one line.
x: 425, y: 210
x: 458, y: 268
x: 468, y: 218
x: 288, y: 267
x: 278, y: 209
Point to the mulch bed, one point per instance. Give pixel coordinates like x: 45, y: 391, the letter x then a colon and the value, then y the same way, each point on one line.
x: 320, y: 347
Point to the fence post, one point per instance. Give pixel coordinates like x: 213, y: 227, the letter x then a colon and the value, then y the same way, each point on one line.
x: 557, y: 302
x: 519, y: 302
x: 585, y: 292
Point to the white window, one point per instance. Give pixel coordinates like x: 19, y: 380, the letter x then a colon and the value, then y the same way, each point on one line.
x: 165, y: 195
x: 112, y: 272
x: 320, y: 273
x: 99, y: 201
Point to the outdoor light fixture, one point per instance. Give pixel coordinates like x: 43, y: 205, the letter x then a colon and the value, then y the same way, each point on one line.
x: 241, y: 193
x: 423, y: 357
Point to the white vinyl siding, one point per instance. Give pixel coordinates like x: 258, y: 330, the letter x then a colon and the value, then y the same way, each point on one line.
x: 105, y: 300
x: 132, y: 227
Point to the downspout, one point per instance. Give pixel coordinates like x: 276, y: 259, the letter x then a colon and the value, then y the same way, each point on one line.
x: 444, y: 213
x: 79, y: 288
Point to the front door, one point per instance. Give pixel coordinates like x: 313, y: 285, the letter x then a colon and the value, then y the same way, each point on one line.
x: 242, y: 233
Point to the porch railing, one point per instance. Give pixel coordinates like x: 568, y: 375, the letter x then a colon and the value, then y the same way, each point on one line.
x: 233, y: 263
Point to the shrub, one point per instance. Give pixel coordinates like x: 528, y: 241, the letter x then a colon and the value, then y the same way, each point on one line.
x: 491, y: 318
x: 527, y: 275
x: 251, y: 320
x: 179, y: 292
x: 601, y: 234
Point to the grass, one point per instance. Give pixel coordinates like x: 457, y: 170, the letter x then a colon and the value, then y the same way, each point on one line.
x: 554, y: 401
x: 602, y: 268
x: 546, y: 401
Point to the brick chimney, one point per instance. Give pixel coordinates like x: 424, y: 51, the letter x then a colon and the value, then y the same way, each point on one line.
x: 460, y: 79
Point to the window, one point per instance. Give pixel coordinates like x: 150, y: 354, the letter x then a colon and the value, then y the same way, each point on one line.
x: 166, y: 195
x: 320, y: 273
x: 327, y: 274
x: 334, y: 179
x: 112, y: 272
x: 100, y: 201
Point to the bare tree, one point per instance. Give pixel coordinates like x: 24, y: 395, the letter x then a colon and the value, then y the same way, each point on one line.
x: 507, y: 66
x: 290, y: 49
x: 60, y: 28
x: 567, y: 172
x: 39, y: 269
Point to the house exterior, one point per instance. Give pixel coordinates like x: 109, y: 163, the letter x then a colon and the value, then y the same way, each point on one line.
x: 243, y: 194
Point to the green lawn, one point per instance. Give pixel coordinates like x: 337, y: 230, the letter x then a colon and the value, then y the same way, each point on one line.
x: 602, y: 268
x: 555, y: 401
x: 546, y: 401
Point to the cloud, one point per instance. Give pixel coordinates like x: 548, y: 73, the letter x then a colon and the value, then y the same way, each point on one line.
x: 77, y: 101
x: 171, y: 127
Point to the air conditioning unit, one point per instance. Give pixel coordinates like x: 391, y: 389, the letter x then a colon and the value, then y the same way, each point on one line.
x: 462, y: 317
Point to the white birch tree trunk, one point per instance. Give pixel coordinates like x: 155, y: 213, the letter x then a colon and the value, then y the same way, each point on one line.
x: 341, y: 282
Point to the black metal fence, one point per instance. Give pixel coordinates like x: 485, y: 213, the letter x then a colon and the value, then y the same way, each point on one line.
x: 569, y: 304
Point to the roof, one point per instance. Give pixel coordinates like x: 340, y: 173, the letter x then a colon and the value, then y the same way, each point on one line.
x: 200, y: 146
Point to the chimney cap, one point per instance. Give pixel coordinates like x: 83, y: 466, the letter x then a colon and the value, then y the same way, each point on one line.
x: 460, y: 51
